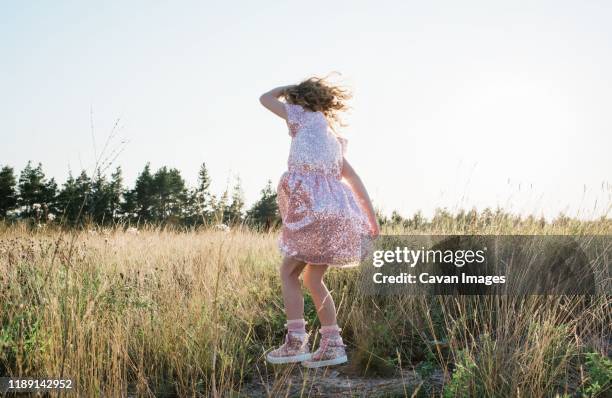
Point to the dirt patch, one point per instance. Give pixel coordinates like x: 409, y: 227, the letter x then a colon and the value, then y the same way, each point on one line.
x: 339, y: 381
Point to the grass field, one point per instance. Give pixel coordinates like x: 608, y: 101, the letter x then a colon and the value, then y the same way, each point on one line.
x: 157, y: 313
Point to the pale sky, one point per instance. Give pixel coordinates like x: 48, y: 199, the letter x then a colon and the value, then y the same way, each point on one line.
x: 457, y: 104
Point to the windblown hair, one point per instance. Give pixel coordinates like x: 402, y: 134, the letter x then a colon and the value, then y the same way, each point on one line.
x: 316, y: 94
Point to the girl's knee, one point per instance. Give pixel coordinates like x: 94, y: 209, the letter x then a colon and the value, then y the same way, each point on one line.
x: 289, y: 269
x: 285, y: 273
x: 313, y: 277
x: 312, y: 281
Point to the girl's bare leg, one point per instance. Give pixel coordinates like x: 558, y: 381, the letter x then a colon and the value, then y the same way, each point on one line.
x: 331, y: 347
x: 296, y: 347
x: 290, y: 271
x: 313, y: 279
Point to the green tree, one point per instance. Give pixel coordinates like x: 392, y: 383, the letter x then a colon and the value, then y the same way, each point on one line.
x: 417, y: 221
x: 198, y: 207
x: 67, y: 200
x: 105, y: 197
x: 74, y: 200
x: 99, y: 206
x: 442, y: 218
x: 142, y: 197
x: 203, y: 179
x: 36, y: 192
x: 396, y: 218
x: 220, y: 208
x: 264, y: 213
x: 233, y: 212
x: 382, y: 219
x: 115, y: 193
x: 128, y: 205
x: 201, y: 200
x: 170, y: 195
x: 8, y: 191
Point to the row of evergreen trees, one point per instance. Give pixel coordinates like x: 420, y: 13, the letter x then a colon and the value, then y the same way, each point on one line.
x: 162, y: 198
x: 159, y: 197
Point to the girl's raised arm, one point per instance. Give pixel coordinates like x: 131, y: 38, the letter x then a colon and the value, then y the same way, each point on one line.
x: 361, y: 194
x: 271, y: 101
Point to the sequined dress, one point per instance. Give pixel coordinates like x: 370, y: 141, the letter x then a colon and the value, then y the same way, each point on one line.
x: 322, y: 223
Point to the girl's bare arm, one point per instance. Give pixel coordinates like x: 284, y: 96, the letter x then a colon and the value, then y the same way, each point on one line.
x: 271, y: 101
x: 361, y: 194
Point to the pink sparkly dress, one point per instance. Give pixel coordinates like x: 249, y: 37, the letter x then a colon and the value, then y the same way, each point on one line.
x: 322, y: 223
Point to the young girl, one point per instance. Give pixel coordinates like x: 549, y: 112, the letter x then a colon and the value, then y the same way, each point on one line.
x: 324, y: 218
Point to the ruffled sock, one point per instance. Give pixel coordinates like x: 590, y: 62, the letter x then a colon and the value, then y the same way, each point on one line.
x: 296, y: 326
x: 331, y: 332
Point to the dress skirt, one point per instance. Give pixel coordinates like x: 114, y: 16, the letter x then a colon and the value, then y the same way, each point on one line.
x: 322, y: 223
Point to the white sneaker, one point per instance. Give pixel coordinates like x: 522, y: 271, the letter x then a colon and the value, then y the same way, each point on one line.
x: 330, y: 352
x: 295, y: 349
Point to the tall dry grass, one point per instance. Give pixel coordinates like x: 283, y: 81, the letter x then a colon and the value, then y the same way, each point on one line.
x: 191, y: 314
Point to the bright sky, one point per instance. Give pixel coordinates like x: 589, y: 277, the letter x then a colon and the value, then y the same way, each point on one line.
x: 457, y: 104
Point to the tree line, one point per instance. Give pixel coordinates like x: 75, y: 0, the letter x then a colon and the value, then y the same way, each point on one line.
x: 161, y: 197
x: 158, y: 197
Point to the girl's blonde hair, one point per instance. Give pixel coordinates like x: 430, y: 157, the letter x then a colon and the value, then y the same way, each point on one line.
x: 317, y: 94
